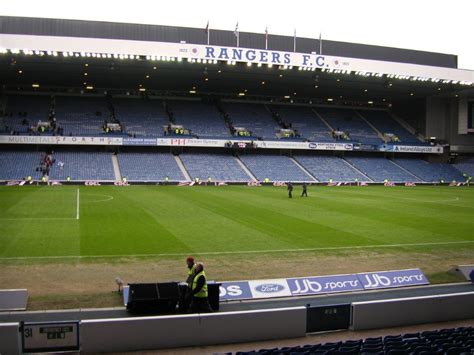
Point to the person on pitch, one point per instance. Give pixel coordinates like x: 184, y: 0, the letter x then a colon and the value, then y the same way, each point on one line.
x: 305, y: 190
x: 290, y: 190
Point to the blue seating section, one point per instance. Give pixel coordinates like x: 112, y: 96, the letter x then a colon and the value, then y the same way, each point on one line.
x: 149, y: 167
x: 349, y: 122
x: 37, y: 108
x: 445, y: 341
x: 254, y: 117
x: 386, y: 124
x: 431, y: 172
x: 303, y: 119
x: 81, y: 166
x: 466, y: 166
x: 275, y: 168
x: 141, y: 117
x: 219, y: 167
x: 203, y: 119
x: 78, y: 115
x: 325, y: 168
x: 379, y: 169
x: 16, y: 165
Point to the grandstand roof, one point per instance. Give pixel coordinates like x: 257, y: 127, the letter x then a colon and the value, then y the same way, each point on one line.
x: 157, y: 33
x: 79, y: 71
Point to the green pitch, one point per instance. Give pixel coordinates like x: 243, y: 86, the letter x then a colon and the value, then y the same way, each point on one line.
x: 169, y: 221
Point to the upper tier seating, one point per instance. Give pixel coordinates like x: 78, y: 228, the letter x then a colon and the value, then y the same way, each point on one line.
x: 203, y: 119
x: 81, y: 115
x: 349, y: 122
x: 254, y: 117
x: 303, y: 119
x: 141, y: 117
x: 35, y: 106
x: 386, y: 124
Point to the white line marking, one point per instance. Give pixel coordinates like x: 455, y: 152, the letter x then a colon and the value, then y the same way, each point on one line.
x: 107, y: 198
x: 77, y: 205
x: 37, y: 218
x: 234, y: 252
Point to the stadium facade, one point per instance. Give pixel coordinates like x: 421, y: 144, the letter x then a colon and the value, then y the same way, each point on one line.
x: 271, y: 108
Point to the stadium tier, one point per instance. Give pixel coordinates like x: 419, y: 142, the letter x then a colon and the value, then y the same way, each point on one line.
x: 254, y: 117
x: 444, y: 341
x: 327, y: 168
x: 305, y: 121
x: 149, y: 167
x: 141, y: 117
x: 388, y: 125
x: 381, y: 169
x: 218, y: 167
x: 24, y: 111
x: 82, y: 166
x: 82, y: 115
x: 17, y: 165
x: 431, y: 172
x: 203, y: 119
x: 275, y: 168
x: 86, y: 116
x: 465, y: 166
x: 349, y: 122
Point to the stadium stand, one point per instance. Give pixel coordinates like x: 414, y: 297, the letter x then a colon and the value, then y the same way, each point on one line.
x: 254, y: 117
x: 348, y: 121
x: 386, y: 124
x: 275, y: 168
x: 431, y: 172
x: 305, y: 121
x: 466, y: 166
x: 379, y: 169
x: 219, y: 167
x: 81, y: 115
x: 81, y: 166
x: 203, y: 119
x: 16, y: 165
x: 23, y: 111
x: 141, y: 117
x: 444, y: 341
x: 325, y: 168
x: 149, y: 167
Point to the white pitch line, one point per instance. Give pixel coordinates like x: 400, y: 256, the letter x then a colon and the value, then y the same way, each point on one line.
x: 77, y: 205
x: 235, y: 252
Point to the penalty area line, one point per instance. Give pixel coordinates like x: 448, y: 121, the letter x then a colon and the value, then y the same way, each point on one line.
x: 236, y: 252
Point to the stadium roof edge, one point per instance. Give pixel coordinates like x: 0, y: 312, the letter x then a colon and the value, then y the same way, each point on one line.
x: 160, y: 33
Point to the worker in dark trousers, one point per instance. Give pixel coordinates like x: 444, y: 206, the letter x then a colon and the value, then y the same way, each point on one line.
x: 199, y: 294
x: 290, y: 190
x: 186, y: 296
x: 305, y: 190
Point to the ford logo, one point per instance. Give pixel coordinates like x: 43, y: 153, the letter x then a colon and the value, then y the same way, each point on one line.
x: 313, y: 145
x: 269, y: 288
x: 348, y: 146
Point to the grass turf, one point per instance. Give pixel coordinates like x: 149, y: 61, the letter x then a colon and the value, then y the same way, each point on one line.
x: 141, y: 233
x: 39, y: 222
